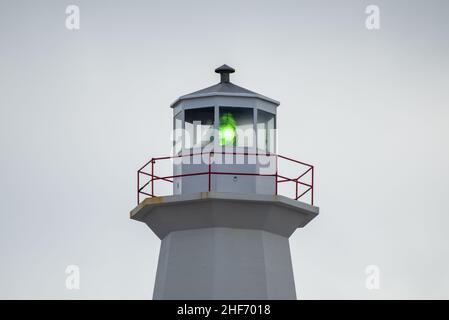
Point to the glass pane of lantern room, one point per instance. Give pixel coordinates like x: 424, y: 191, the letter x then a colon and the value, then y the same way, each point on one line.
x: 236, y: 127
x: 199, y: 127
x: 177, y: 134
x: 266, y: 134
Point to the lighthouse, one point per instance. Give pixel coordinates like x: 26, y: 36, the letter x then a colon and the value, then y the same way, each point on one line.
x: 225, y: 209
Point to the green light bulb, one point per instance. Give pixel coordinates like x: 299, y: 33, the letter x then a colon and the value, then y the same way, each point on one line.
x: 227, y: 130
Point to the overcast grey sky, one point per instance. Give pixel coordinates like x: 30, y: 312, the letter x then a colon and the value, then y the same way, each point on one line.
x: 81, y: 110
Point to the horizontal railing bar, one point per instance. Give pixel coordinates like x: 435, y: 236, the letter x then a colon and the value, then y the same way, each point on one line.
x: 244, y: 174
x: 164, y: 158
x: 290, y: 159
x: 244, y: 153
x: 145, y: 164
x: 214, y: 172
x: 294, y: 180
x: 286, y: 180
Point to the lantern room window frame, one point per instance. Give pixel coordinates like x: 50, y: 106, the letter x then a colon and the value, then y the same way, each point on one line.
x: 179, y: 142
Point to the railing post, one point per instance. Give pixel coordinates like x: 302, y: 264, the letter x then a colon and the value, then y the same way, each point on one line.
x: 296, y: 193
x: 209, y: 172
x: 152, y: 177
x: 138, y: 187
x: 312, y: 186
x: 276, y: 184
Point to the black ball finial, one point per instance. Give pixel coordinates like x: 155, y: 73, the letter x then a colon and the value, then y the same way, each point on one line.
x: 224, y: 72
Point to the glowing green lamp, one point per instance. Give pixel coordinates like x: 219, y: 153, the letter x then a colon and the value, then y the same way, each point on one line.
x: 227, y: 130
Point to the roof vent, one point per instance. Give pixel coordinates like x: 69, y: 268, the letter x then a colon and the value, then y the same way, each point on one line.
x: 224, y: 72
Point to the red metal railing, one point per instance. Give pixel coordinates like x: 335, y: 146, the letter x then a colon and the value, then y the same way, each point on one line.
x: 306, y: 173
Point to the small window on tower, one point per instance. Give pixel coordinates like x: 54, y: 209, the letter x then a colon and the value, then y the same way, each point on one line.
x: 199, y: 127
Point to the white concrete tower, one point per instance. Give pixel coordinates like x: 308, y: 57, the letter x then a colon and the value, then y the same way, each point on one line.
x: 225, y: 225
